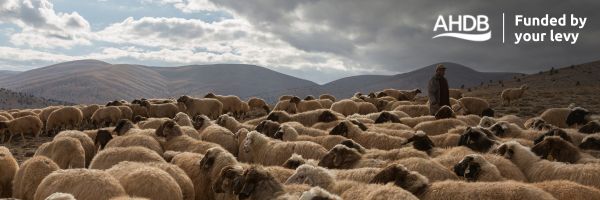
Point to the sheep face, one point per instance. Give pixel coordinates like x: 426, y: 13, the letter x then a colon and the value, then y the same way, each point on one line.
x: 507, y: 150
x: 554, y: 132
x: 387, y: 117
x: 578, y: 116
x: 309, y: 97
x: 476, y: 139
x: 278, y: 116
x: 145, y: 103
x: 372, y: 95
x: 468, y: 167
x: 421, y: 141
x: 401, y: 177
x: 183, y: 99
x: 293, y: 162
x: 210, y: 95
x: 341, y: 129
x: 382, y: 94
x: 256, y: 180
x: 229, y: 180
x: 267, y: 127
x: 279, y: 133
x: 499, y: 129
x: 340, y: 157
x: 209, y: 158
x: 360, y: 125
x: 199, y: 121
x: 445, y: 112
x: 351, y: 144
x: 102, y: 138
x: 554, y: 148
x: 327, y: 116
x: 123, y: 126
x: 590, y: 127
x: 417, y: 91
x: 169, y: 130
x: 590, y: 143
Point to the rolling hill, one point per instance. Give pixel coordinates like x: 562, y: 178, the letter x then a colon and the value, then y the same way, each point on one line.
x: 16, y: 100
x: 93, y: 81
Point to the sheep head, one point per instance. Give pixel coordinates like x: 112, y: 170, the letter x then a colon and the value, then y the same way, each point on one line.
x: 139, y: 118
x: 486, y: 121
x: 590, y: 127
x: 229, y: 180
x: 123, y: 126
x: 507, y: 150
x: 578, y: 116
x: 591, y: 142
x: 295, y: 100
x: 267, y: 127
x: 417, y: 91
x: 360, y: 125
x: 294, y: 161
x: 352, y: 144
x: 488, y: 112
x: 554, y: 148
x: 469, y: 167
x: 309, y: 97
x: 183, y: 99
x: 102, y: 138
x: 278, y: 116
x: 445, y: 112
x: 169, y: 129
x: 258, y: 182
x: 340, y: 157
x: 385, y: 117
x: 327, y: 116
x: 421, y: 141
x: 311, y: 175
x: 382, y: 94
x: 403, y: 178
x: 145, y: 103
x: 207, y: 162
x: 499, y: 128
x: 341, y: 129
x: 210, y: 95
x: 199, y: 121
x: 554, y: 132
x: 476, y: 139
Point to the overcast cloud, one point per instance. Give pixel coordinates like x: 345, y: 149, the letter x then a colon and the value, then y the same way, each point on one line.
x: 319, y: 40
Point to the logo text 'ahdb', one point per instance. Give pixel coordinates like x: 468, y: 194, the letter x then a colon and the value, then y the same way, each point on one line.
x: 466, y: 27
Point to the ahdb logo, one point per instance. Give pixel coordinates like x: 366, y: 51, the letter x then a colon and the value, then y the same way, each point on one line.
x: 466, y: 27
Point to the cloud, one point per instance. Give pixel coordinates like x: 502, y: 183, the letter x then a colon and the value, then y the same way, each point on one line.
x: 41, y: 26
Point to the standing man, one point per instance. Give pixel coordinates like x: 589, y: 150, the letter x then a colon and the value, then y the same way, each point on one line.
x: 439, y: 94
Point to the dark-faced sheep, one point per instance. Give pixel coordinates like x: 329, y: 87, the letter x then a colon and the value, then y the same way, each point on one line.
x: 566, y: 117
x: 259, y: 184
x: 555, y: 148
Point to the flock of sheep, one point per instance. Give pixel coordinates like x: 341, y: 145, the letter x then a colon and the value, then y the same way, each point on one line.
x: 378, y: 146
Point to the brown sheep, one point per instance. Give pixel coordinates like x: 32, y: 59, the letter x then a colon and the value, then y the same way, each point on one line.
x: 29, y: 176
x: 83, y: 184
x: 9, y: 167
x: 22, y: 125
x: 67, y: 152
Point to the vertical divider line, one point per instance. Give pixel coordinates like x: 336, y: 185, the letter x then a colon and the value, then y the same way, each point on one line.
x: 502, y: 28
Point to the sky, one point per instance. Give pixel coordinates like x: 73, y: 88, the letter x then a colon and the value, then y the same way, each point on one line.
x: 318, y: 40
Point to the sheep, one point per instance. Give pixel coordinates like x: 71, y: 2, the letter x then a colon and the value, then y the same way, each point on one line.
x: 512, y: 94
x: 289, y: 133
x: 140, y: 180
x: 259, y: 147
x: 137, y: 109
x: 478, y: 139
x: 207, y: 106
x: 230, y: 103
x: 177, y: 141
x: 189, y: 163
x: 83, y: 184
x: 46, y: 112
x: 554, y: 148
x: 475, y: 167
x: 591, y: 142
x: 537, y: 169
x: 414, y: 110
x: 67, y: 152
x: 22, y: 125
x: 30, y: 174
x: 569, y: 135
x: 9, y: 167
x: 126, y: 112
x: 257, y: 103
x: 392, y: 105
x: 413, y: 121
x: 87, y: 112
x: 510, y: 130
x: 7, y: 115
x: 487, y: 121
x: 343, y: 157
x: 321, y: 177
x: 345, y: 107
x: 106, y: 116
x: 438, y: 127
x: 327, y: 96
x: 111, y: 156
x: 86, y: 142
x: 231, y: 123
x: 152, y: 123
x: 473, y: 105
x: 23, y: 113
x: 126, y: 127
x: 160, y: 110
x: 183, y: 119
x: 367, y: 139
x: 402, y: 95
x: 285, y: 97
x: 318, y: 193
x: 288, y: 106
x: 308, y: 105
x: 455, y: 93
x: 566, y: 117
x: 296, y: 160
x: 561, y: 189
x: 590, y: 127
x: 214, y: 133
x: 257, y: 183
x: 445, y: 112
x: 419, y: 185
x: 326, y: 103
x: 306, y: 118
x: 136, y: 140
x: 366, y: 108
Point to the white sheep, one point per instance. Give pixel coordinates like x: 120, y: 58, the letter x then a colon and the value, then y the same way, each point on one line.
x: 346, y: 107
x: 111, y: 156
x: 473, y: 105
x: 261, y: 147
x: 146, y: 181
x: 183, y: 119
x: 512, y: 94
x: 168, y: 110
x: 230, y: 103
x: 30, y: 174
x: 365, y: 138
x: 414, y: 110
x: 537, y: 169
x: 207, y: 106
x: 83, y: 184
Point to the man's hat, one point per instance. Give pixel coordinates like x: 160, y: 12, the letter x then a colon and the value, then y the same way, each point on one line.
x: 440, y: 66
